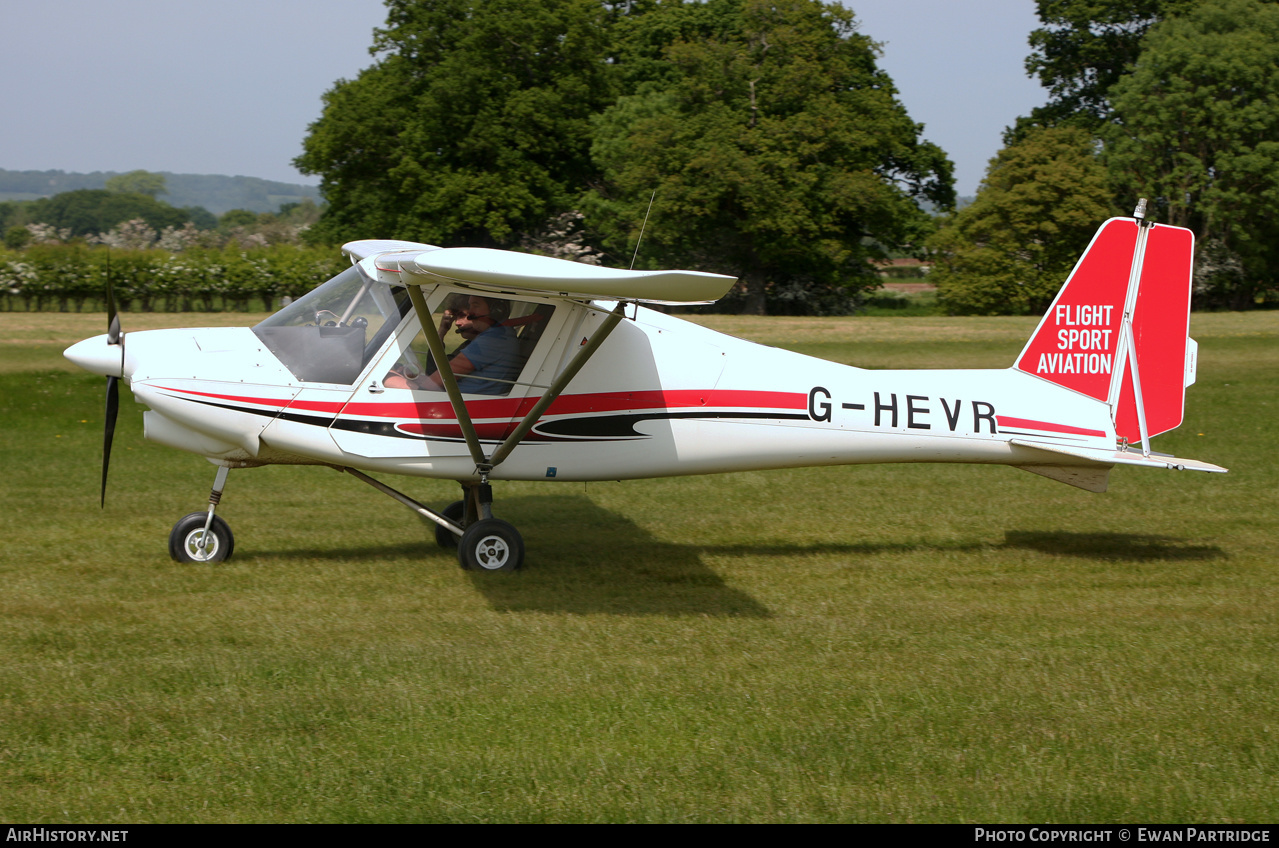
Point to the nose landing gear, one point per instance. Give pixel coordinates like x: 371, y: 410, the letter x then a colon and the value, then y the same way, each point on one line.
x: 203, y: 536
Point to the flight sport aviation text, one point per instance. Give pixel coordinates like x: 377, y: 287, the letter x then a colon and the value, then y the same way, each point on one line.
x: 41, y: 834
x: 1077, y: 344
x: 1140, y: 834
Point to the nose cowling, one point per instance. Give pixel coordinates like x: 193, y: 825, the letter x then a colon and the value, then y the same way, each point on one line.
x: 98, y: 356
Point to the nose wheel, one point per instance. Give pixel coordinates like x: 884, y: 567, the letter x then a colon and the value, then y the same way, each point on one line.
x: 189, y: 542
x: 203, y: 536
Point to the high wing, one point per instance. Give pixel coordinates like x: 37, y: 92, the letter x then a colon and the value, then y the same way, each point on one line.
x: 505, y: 270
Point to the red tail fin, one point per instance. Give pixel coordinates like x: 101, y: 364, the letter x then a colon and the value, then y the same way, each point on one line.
x: 1083, y: 343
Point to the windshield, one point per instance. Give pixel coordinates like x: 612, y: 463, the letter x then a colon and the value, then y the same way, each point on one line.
x: 331, y: 333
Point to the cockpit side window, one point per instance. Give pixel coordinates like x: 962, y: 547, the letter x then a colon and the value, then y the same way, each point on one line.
x: 331, y: 333
x: 488, y: 341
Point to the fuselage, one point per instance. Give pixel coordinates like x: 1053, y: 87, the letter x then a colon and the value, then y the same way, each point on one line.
x: 661, y: 397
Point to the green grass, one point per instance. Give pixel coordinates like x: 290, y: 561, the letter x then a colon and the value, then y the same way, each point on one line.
x: 877, y: 643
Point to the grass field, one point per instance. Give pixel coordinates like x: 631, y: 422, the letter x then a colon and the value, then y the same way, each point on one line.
x: 877, y: 643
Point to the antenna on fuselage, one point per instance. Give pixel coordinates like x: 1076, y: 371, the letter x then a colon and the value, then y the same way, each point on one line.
x: 642, y: 226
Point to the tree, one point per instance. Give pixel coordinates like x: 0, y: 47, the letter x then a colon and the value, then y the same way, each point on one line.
x: 16, y: 238
x: 1011, y: 249
x: 777, y: 149
x: 472, y: 126
x: 237, y: 218
x: 138, y: 182
x: 1083, y: 48
x: 90, y: 211
x: 1196, y: 128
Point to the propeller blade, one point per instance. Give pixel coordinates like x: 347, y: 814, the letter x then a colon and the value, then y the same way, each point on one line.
x: 113, y: 318
x: 113, y: 406
x: 114, y: 337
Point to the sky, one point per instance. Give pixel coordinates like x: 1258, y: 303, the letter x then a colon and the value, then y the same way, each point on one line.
x: 230, y: 87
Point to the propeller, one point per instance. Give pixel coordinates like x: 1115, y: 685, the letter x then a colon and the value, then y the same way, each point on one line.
x: 114, y: 337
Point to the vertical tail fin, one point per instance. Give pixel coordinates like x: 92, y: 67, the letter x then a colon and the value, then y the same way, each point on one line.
x: 1118, y: 330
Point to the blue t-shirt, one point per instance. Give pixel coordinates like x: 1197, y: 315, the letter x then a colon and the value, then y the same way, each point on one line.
x: 495, y: 353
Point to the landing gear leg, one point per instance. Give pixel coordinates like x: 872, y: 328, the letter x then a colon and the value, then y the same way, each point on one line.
x: 464, y: 513
x: 200, y: 536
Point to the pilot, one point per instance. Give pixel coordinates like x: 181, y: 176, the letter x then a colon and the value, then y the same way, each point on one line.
x: 489, y: 355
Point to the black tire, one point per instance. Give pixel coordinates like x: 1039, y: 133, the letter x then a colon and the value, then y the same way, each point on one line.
x: 455, y: 511
x: 185, y: 538
x: 491, y: 544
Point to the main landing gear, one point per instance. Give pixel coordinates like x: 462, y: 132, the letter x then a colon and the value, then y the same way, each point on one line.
x: 483, y: 543
x: 486, y: 543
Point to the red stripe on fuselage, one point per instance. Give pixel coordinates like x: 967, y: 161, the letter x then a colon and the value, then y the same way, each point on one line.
x: 1027, y: 423
x: 277, y: 403
x: 585, y: 403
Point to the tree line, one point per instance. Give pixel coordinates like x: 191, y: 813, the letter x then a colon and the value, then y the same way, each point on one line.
x: 1173, y: 100
x: 73, y: 277
x: 216, y: 193
x: 128, y: 212
x: 760, y: 138
x: 59, y: 252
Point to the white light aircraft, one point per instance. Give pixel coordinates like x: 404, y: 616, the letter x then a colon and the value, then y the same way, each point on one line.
x: 555, y: 371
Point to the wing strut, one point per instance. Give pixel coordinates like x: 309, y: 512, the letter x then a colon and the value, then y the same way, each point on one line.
x: 445, y: 370
x: 485, y: 464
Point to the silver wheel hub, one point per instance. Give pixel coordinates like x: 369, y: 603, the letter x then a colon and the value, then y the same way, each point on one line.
x: 199, y: 548
x: 492, y: 552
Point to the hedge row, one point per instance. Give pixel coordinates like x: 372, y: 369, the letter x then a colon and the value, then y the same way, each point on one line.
x: 72, y: 277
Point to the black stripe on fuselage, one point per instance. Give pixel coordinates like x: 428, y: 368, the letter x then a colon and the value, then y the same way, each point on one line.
x: 623, y: 426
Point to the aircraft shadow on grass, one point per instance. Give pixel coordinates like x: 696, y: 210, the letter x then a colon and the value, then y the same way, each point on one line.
x: 589, y: 560
x: 1130, y: 547
x: 594, y: 560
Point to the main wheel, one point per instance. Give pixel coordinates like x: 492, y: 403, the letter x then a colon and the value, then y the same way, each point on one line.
x: 491, y: 544
x: 184, y: 541
x: 444, y: 537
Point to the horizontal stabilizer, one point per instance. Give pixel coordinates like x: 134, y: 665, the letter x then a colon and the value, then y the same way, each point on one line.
x: 1105, y: 456
x: 507, y: 270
